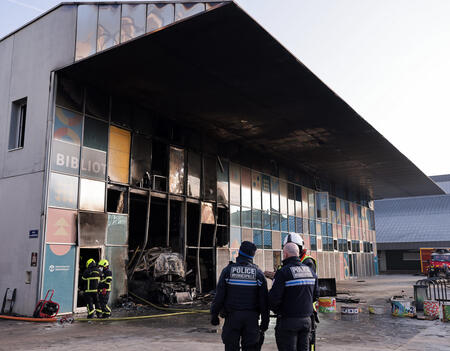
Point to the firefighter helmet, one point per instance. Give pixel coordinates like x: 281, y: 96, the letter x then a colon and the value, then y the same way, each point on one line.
x: 103, y: 263
x: 89, y: 262
x: 294, y: 238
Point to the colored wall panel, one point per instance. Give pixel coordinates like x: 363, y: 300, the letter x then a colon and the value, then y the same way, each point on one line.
x: 61, y: 226
x: 65, y: 157
x: 59, y: 272
x: 68, y: 126
x: 119, y: 154
x: 63, y: 191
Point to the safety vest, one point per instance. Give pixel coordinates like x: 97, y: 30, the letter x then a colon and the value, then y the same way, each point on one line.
x: 305, y: 256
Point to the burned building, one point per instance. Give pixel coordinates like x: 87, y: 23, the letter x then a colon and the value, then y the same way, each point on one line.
x: 182, y: 125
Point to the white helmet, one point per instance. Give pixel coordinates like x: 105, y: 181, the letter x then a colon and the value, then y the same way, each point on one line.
x: 294, y: 238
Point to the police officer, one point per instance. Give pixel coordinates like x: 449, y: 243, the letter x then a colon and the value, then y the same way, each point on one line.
x: 304, y: 258
x: 241, y: 295
x: 104, y: 288
x: 293, y: 292
x: 91, y: 277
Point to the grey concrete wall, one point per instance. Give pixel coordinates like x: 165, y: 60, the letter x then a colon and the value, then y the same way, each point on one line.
x: 26, y: 61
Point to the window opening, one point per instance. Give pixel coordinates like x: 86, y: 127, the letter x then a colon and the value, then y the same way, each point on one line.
x: 17, y: 124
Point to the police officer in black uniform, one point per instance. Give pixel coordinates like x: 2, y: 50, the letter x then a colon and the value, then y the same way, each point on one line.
x: 293, y: 292
x: 241, y: 295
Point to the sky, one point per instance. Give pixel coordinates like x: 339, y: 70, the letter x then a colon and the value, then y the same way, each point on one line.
x: 388, y: 59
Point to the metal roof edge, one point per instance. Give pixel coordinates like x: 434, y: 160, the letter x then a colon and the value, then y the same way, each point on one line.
x: 65, y: 3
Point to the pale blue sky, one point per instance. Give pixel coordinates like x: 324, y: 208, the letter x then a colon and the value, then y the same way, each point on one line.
x: 388, y: 59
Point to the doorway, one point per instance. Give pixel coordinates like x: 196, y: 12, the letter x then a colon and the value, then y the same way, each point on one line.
x: 84, y: 255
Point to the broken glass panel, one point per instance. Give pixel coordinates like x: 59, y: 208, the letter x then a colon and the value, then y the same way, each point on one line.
x: 119, y: 154
x: 117, y: 257
x: 222, y: 182
x: 256, y: 190
x: 159, y: 15
x: 265, y: 193
x: 92, y: 228
x: 246, y: 187
x: 207, y: 213
x: 69, y: 95
x: 187, y: 10
x: 235, y: 215
x: 95, y: 134
x: 86, y: 31
x: 117, y: 232
x: 235, y: 184
x: 222, y: 236
x: 97, y: 104
x: 194, y: 174
x: 210, y: 178
x: 133, y: 21
x: 63, y: 191
x: 93, y: 163
x: 68, y: 126
x: 65, y: 157
x: 141, y: 159
x: 108, y: 26
x: 121, y: 112
x: 176, y: 171
x: 92, y: 195
x: 235, y: 237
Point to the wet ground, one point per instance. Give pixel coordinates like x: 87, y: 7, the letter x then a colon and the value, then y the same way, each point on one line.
x: 193, y: 332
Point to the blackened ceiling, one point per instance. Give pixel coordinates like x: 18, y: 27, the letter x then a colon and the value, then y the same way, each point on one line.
x: 222, y: 72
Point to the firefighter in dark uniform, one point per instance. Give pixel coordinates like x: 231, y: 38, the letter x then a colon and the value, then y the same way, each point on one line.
x: 91, y: 277
x: 293, y: 292
x: 104, y: 288
x: 241, y: 296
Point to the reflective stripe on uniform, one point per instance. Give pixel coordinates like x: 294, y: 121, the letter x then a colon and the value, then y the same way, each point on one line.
x: 297, y: 282
x: 241, y: 282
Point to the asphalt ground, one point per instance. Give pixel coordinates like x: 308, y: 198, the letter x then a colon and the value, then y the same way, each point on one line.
x: 193, y: 332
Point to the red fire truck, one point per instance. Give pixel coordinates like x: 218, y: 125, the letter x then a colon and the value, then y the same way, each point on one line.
x: 439, y: 263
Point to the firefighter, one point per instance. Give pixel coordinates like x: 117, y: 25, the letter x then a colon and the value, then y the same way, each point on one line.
x: 293, y: 292
x: 91, y: 277
x: 241, y: 296
x: 104, y: 288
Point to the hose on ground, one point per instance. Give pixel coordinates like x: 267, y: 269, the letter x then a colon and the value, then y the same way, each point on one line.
x: 133, y: 318
x: 28, y: 319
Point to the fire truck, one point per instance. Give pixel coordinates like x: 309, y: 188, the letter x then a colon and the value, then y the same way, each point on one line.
x: 439, y: 263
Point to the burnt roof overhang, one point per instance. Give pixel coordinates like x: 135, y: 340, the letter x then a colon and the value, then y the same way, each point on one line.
x: 221, y: 71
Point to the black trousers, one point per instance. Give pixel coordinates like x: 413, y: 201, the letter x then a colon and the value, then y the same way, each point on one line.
x: 292, y: 334
x: 241, y: 327
x: 103, y: 299
x: 92, y: 303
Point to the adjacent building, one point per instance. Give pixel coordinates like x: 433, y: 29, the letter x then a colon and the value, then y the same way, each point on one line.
x: 183, y: 125
x: 405, y: 225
